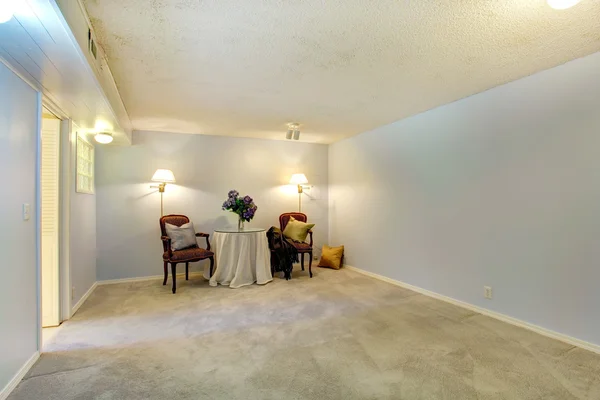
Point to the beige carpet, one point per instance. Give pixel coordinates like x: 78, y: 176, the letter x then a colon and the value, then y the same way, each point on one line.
x: 340, y: 335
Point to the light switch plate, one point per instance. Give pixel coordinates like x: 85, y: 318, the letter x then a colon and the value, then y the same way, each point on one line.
x: 487, y: 292
x: 26, y: 212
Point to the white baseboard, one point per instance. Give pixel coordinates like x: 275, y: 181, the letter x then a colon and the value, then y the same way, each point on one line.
x: 125, y: 280
x: 83, y: 299
x: 10, y: 386
x: 146, y: 278
x: 502, y: 317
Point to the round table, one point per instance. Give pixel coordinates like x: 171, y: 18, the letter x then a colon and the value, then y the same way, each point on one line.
x: 242, y: 257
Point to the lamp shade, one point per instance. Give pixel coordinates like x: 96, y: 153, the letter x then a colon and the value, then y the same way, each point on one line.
x: 298, y: 179
x: 163, y: 175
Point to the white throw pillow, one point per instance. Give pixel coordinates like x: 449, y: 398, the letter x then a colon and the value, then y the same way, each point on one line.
x: 182, y: 237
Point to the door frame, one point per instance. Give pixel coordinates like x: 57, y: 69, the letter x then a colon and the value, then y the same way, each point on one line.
x: 64, y: 238
x: 64, y: 178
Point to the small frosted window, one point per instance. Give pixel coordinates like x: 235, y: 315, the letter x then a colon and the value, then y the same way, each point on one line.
x: 85, y: 166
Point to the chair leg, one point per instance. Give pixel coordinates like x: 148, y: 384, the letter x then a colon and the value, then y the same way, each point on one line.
x: 302, y: 261
x: 166, y: 268
x: 174, y: 272
x: 212, y: 265
x: 310, y: 264
x: 187, y: 271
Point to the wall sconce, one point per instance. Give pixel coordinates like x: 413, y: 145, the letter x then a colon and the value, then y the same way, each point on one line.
x: 300, y: 180
x: 163, y: 176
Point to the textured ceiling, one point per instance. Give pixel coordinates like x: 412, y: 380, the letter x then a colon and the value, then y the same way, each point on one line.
x: 339, y: 67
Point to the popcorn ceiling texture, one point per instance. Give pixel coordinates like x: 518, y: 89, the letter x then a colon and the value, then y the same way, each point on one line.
x: 341, y: 67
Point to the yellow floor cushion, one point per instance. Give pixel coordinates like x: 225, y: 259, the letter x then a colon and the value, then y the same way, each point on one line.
x: 331, y: 257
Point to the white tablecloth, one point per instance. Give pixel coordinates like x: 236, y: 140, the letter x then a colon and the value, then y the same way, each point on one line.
x: 242, y: 258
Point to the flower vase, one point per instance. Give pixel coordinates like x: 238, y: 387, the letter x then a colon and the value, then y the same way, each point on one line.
x: 240, y: 224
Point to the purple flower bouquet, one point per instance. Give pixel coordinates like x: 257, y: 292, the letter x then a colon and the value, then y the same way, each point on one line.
x: 244, y: 207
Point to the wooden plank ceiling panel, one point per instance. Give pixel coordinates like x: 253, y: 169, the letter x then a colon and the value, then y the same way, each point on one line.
x: 38, y: 44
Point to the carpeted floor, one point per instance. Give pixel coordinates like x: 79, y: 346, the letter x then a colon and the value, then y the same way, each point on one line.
x: 340, y: 335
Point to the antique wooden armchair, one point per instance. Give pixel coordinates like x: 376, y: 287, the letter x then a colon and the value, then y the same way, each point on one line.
x: 192, y: 254
x: 303, y: 248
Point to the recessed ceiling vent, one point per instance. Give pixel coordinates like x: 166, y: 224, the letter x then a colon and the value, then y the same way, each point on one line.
x: 92, y: 45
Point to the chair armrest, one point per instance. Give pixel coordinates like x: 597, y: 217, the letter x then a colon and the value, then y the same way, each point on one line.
x: 311, y: 237
x: 167, y: 245
x: 204, y: 235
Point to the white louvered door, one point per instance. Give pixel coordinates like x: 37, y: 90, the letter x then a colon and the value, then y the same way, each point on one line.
x: 49, y: 221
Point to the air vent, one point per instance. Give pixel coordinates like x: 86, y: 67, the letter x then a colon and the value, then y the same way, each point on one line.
x: 92, y: 45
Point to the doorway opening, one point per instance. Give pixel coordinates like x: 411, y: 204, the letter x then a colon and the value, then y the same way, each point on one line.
x: 50, y: 225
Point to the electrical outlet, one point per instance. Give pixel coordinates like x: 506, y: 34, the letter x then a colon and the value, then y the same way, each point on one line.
x: 487, y: 292
x: 316, y: 258
x: 72, y: 292
x: 26, y: 212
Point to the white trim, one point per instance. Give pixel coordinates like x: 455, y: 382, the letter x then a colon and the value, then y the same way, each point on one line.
x: 146, y: 278
x: 47, y: 100
x: 66, y: 179
x: 35, y: 85
x: 126, y: 280
x: 83, y: 298
x: 94, y: 69
x: 10, y: 386
x: 51, y: 106
x: 501, y: 317
x: 38, y: 220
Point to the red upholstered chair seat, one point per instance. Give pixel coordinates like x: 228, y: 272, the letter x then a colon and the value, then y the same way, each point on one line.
x: 302, y: 247
x: 188, y: 254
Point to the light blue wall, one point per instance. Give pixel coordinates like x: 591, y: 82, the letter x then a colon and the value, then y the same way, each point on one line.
x: 206, y: 168
x: 82, y: 235
x: 19, y: 116
x: 500, y: 189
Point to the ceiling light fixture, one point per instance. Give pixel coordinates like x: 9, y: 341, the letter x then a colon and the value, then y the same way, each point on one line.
x: 562, y: 4
x: 6, y: 11
x: 293, y: 131
x: 104, y: 137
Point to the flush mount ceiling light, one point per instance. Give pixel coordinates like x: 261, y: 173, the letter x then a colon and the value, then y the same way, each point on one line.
x: 103, y: 137
x: 293, y: 131
x: 562, y: 4
x: 6, y: 11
